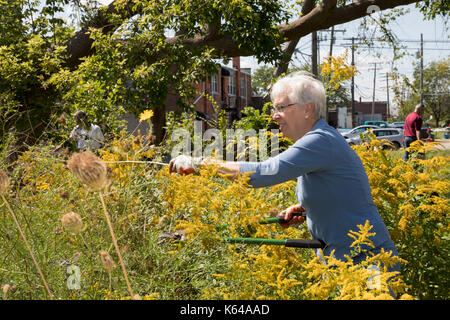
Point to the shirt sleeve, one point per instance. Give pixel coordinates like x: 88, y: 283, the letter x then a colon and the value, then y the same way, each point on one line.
x: 419, y: 124
x: 98, y: 135
x: 310, y: 153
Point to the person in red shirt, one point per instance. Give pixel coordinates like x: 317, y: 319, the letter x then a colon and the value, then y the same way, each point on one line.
x: 411, y: 128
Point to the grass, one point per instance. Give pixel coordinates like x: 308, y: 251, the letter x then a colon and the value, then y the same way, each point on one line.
x: 44, y: 190
x: 158, y: 268
x: 398, y: 154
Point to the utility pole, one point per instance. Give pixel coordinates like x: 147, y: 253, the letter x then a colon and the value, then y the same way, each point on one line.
x: 387, y: 95
x: 332, y: 38
x: 373, y: 96
x: 331, y: 41
x: 315, y: 59
x: 352, y: 106
x: 331, y: 53
x: 314, y: 53
x: 333, y: 31
x: 421, y: 68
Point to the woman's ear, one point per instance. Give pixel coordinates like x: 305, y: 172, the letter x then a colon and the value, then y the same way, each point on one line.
x: 309, y: 110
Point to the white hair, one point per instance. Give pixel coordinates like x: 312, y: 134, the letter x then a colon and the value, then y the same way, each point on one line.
x: 419, y: 107
x: 301, y: 87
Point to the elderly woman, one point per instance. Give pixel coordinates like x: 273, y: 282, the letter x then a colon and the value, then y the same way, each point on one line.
x: 332, y: 185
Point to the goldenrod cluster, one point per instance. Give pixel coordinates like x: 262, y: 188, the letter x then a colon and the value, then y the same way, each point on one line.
x: 200, y: 203
x: 336, y: 70
x: 412, y: 198
x: 126, y: 148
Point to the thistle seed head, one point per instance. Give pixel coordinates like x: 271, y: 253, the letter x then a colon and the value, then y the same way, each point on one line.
x: 4, y: 182
x: 90, y: 169
x: 107, y: 262
x: 5, y: 289
x: 72, y: 222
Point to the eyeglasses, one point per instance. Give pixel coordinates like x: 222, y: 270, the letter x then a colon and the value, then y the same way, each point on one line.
x: 281, y: 108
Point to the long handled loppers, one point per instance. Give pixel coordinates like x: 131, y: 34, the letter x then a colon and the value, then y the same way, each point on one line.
x: 295, y: 243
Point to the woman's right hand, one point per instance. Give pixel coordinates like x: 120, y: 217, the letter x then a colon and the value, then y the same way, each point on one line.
x: 292, y: 221
x: 183, y: 165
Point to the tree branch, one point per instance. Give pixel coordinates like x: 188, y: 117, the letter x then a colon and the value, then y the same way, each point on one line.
x: 80, y: 45
x: 318, y: 18
x: 307, y: 24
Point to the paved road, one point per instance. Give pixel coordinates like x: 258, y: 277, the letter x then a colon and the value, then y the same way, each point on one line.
x: 445, y: 143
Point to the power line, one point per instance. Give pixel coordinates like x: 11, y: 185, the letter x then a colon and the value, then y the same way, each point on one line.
x: 402, y: 40
x: 390, y: 48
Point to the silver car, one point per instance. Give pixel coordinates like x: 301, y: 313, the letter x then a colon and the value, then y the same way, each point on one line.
x: 355, y: 131
x: 395, y: 136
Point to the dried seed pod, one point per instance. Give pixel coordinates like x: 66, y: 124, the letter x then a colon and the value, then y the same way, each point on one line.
x: 107, y: 262
x: 90, y: 169
x: 4, y: 182
x: 72, y: 222
x: 5, y: 289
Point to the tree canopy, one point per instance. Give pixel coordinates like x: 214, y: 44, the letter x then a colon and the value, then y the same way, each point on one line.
x: 128, y: 55
x: 436, y: 92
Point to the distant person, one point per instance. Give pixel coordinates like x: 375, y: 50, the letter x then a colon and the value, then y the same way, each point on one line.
x: 411, y: 128
x: 88, y: 136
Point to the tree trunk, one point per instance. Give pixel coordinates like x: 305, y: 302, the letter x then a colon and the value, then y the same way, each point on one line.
x: 290, y: 46
x: 158, y: 123
x: 283, y: 64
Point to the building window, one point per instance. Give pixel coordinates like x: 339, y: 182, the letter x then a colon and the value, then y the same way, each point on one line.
x: 214, y: 83
x: 232, y: 84
x: 243, y: 87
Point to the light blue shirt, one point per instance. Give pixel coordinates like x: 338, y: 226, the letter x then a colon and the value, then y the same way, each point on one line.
x: 332, y: 186
x: 88, y: 139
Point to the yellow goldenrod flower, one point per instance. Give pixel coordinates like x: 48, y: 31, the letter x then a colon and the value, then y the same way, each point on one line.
x: 147, y: 114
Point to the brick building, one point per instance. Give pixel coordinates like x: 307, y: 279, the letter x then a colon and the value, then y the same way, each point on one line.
x: 341, y: 116
x: 363, y: 111
x: 230, y: 88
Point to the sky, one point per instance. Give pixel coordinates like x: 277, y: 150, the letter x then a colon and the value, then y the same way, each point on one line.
x: 408, y: 27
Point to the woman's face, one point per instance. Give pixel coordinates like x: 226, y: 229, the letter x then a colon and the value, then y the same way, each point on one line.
x: 294, y: 121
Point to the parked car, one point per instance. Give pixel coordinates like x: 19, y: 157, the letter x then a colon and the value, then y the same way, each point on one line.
x: 395, y: 136
x: 398, y: 125
x: 355, y: 131
x: 381, y: 124
x: 343, y: 130
x: 447, y: 133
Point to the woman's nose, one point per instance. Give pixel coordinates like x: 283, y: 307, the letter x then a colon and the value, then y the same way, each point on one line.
x: 276, y: 116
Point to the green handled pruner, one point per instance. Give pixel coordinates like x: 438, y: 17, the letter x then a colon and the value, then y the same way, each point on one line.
x: 277, y: 219
x: 280, y: 219
x: 295, y: 243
